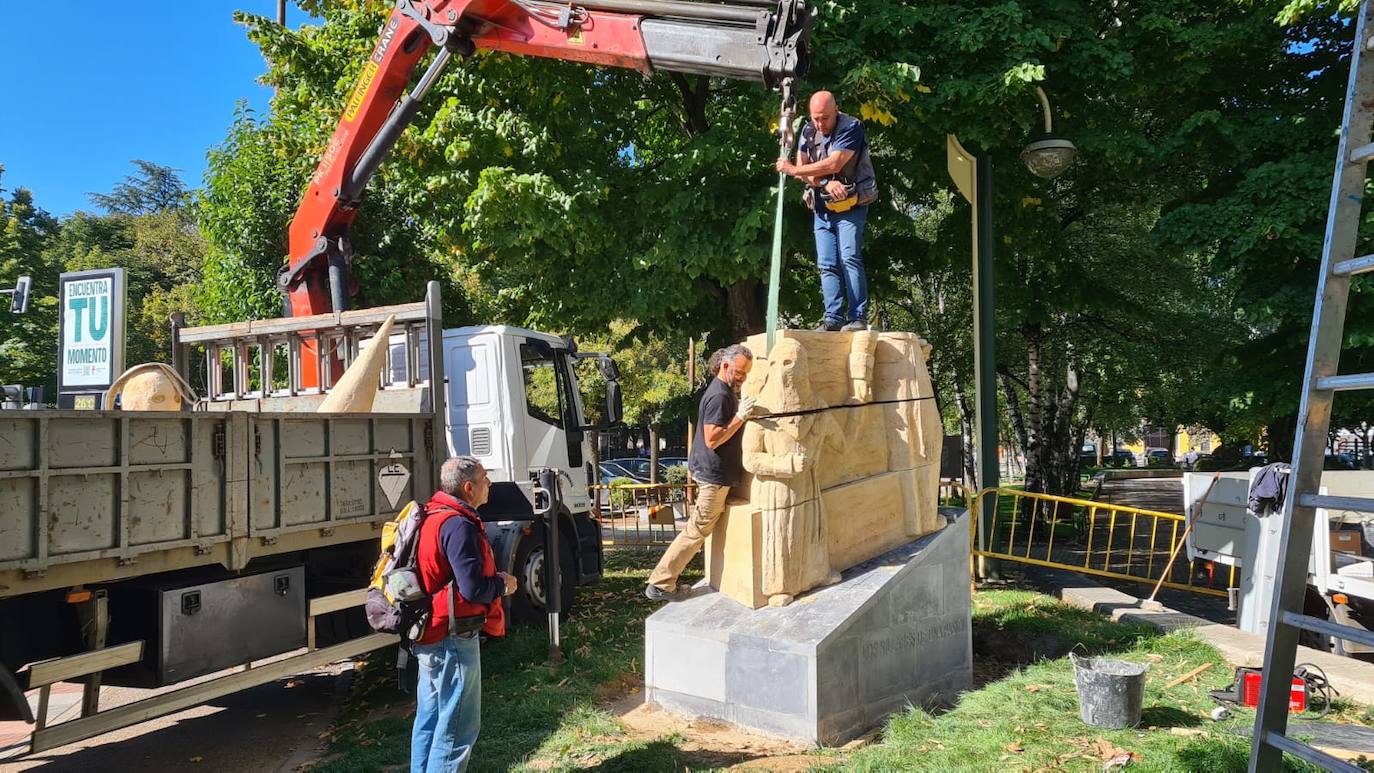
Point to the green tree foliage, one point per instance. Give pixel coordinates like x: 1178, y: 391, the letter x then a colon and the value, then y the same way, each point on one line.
x: 28, y: 342
x: 148, y: 232
x: 565, y: 197
x: 1267, y: 161
x: 153, y: 188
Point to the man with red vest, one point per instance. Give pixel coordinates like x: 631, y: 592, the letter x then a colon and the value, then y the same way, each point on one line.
x: 453, y: 553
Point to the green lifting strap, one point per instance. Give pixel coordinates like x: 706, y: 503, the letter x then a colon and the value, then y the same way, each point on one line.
x: 775, y: 270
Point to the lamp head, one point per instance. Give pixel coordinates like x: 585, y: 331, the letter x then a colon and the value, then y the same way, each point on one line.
x: 1049, y: 156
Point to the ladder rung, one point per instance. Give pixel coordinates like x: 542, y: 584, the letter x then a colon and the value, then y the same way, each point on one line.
x: 1354, y: 266
x: 1353, y: 504
x: 1347, y: 383
x: 1305, y: 752
x: 1362, y: 154
x: 1334, y: 630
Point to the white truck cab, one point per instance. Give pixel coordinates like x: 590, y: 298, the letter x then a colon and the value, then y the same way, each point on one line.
x: 522, y: 401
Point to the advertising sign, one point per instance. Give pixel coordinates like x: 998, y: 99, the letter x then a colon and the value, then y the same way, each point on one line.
x: 91, y: 330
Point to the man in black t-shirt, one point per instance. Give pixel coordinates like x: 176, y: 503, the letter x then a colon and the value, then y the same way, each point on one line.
x: 716, y: 462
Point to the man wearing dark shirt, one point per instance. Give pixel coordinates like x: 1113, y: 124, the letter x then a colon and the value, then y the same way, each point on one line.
x: 453, y: 553
x: 834, y: 163
x: 716, y: 462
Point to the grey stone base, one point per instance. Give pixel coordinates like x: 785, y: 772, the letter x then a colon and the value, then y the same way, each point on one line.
x: 897, y: 631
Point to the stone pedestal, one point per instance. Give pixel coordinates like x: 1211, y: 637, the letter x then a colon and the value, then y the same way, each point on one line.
x: 897, y: 630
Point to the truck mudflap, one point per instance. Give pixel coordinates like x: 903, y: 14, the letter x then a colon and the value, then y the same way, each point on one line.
x: 13, y: 704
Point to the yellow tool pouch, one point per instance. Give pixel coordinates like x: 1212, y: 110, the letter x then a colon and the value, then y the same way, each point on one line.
x: 850, y: 200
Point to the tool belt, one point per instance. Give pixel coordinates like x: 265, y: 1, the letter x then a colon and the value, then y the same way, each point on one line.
x: 849, y: 201
x: 462, y: 626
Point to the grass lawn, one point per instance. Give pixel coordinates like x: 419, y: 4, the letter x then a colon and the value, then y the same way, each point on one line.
x: 1022, y: 714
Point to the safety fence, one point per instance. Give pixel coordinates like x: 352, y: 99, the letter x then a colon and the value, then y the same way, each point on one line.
x: 1094, y: 538
x: 641, y: 514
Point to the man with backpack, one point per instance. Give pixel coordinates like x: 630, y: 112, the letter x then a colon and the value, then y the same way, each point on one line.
x: 833, y: 161
x: 453, y: 553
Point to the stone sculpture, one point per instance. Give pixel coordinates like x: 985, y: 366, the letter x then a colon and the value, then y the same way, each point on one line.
x: 844, y: 466
x: 357, y: 387
x: 781, y: 453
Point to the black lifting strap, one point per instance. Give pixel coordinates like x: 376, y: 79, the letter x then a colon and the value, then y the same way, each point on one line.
x: 809, y: 411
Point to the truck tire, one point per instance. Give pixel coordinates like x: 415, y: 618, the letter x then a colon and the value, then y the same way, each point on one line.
x: 527, y: 604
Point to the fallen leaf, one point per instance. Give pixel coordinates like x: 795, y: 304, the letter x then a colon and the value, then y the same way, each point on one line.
x: 1117, y: 762
x: 1186, y: 731
x: 1154, y: 658
x: 1015, y: 747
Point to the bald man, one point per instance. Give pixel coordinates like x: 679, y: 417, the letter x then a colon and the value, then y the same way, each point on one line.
x: 833, y: 162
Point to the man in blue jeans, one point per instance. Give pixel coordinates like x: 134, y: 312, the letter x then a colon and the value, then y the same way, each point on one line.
x: 834, y: 163
x: 457, y: 565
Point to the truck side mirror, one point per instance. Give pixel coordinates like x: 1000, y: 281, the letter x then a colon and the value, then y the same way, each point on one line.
x: 615, y: 406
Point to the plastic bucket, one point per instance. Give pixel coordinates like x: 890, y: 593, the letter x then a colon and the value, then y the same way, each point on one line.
x: 1110, y: 692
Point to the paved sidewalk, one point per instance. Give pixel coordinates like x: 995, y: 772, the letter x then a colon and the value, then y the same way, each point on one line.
x: 1353, y: 679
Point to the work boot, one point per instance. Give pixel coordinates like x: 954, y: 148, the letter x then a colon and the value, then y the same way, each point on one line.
x: 856, y: 326
x: 827, y: 327
x: 655, y: 593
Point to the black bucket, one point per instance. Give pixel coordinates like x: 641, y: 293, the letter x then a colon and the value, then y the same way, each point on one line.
x: 1110, y: 692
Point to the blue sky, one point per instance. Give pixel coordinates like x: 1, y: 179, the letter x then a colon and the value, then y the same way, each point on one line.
x: 92, y: 87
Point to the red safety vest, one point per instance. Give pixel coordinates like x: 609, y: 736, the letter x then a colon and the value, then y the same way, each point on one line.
x: 435, y: 571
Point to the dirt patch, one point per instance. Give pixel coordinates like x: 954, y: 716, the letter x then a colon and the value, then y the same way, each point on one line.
x: 704, y: 740
x: 997, y: 653
x: 702, y: 734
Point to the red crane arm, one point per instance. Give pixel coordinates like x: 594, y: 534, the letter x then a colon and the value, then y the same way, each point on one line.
x: 760, y: 40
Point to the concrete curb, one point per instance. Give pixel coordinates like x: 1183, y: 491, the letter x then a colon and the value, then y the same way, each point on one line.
x: 1353, y: 679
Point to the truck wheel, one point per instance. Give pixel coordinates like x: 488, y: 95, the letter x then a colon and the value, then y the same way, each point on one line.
x: 528, y: 603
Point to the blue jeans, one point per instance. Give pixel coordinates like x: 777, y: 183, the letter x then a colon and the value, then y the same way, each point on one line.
x: 839, y: 255
x: 448, y: 710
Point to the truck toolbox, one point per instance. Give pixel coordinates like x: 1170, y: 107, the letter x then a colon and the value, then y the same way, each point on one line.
x: 203, y: 627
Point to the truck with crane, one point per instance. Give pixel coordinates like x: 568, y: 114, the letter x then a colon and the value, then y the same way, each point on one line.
x: 152, y: 548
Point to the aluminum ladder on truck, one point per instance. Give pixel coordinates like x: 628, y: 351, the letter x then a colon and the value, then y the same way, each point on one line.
x: 1319, y: 387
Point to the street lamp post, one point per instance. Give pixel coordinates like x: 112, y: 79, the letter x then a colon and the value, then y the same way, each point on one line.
x: 973, y: 177
x: 1047, y: 156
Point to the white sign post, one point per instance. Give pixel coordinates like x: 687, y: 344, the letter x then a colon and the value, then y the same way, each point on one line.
x: 92, y: 335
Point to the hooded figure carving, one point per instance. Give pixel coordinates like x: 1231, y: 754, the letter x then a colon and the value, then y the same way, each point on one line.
x: 781, y: 454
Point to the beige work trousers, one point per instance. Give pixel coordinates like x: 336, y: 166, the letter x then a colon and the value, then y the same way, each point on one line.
x: 709, y: 505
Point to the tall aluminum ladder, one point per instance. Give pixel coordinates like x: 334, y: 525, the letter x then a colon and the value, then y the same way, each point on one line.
x: 1319, y: 387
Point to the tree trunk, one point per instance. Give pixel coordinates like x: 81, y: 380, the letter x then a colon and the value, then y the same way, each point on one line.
x: 745, y: 303
x: 653, y: 454
x: 966, y: 417
x: 1035, y: 410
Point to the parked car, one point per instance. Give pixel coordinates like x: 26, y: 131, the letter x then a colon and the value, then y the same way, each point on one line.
x: 1158, y: 457
x: 611, y: 471
x: 1121, y: 458
x: 638, y: 468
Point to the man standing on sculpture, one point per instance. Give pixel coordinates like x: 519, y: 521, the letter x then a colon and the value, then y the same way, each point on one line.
x: 715, y: 463
x: 834, y: 163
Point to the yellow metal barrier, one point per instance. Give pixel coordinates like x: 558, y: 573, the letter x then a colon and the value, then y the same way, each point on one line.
x: 641, y: 514
x: 1095, y: 538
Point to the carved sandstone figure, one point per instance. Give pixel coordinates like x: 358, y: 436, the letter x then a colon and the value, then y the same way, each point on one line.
x: 844, y: 467
x: 781, y: 453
